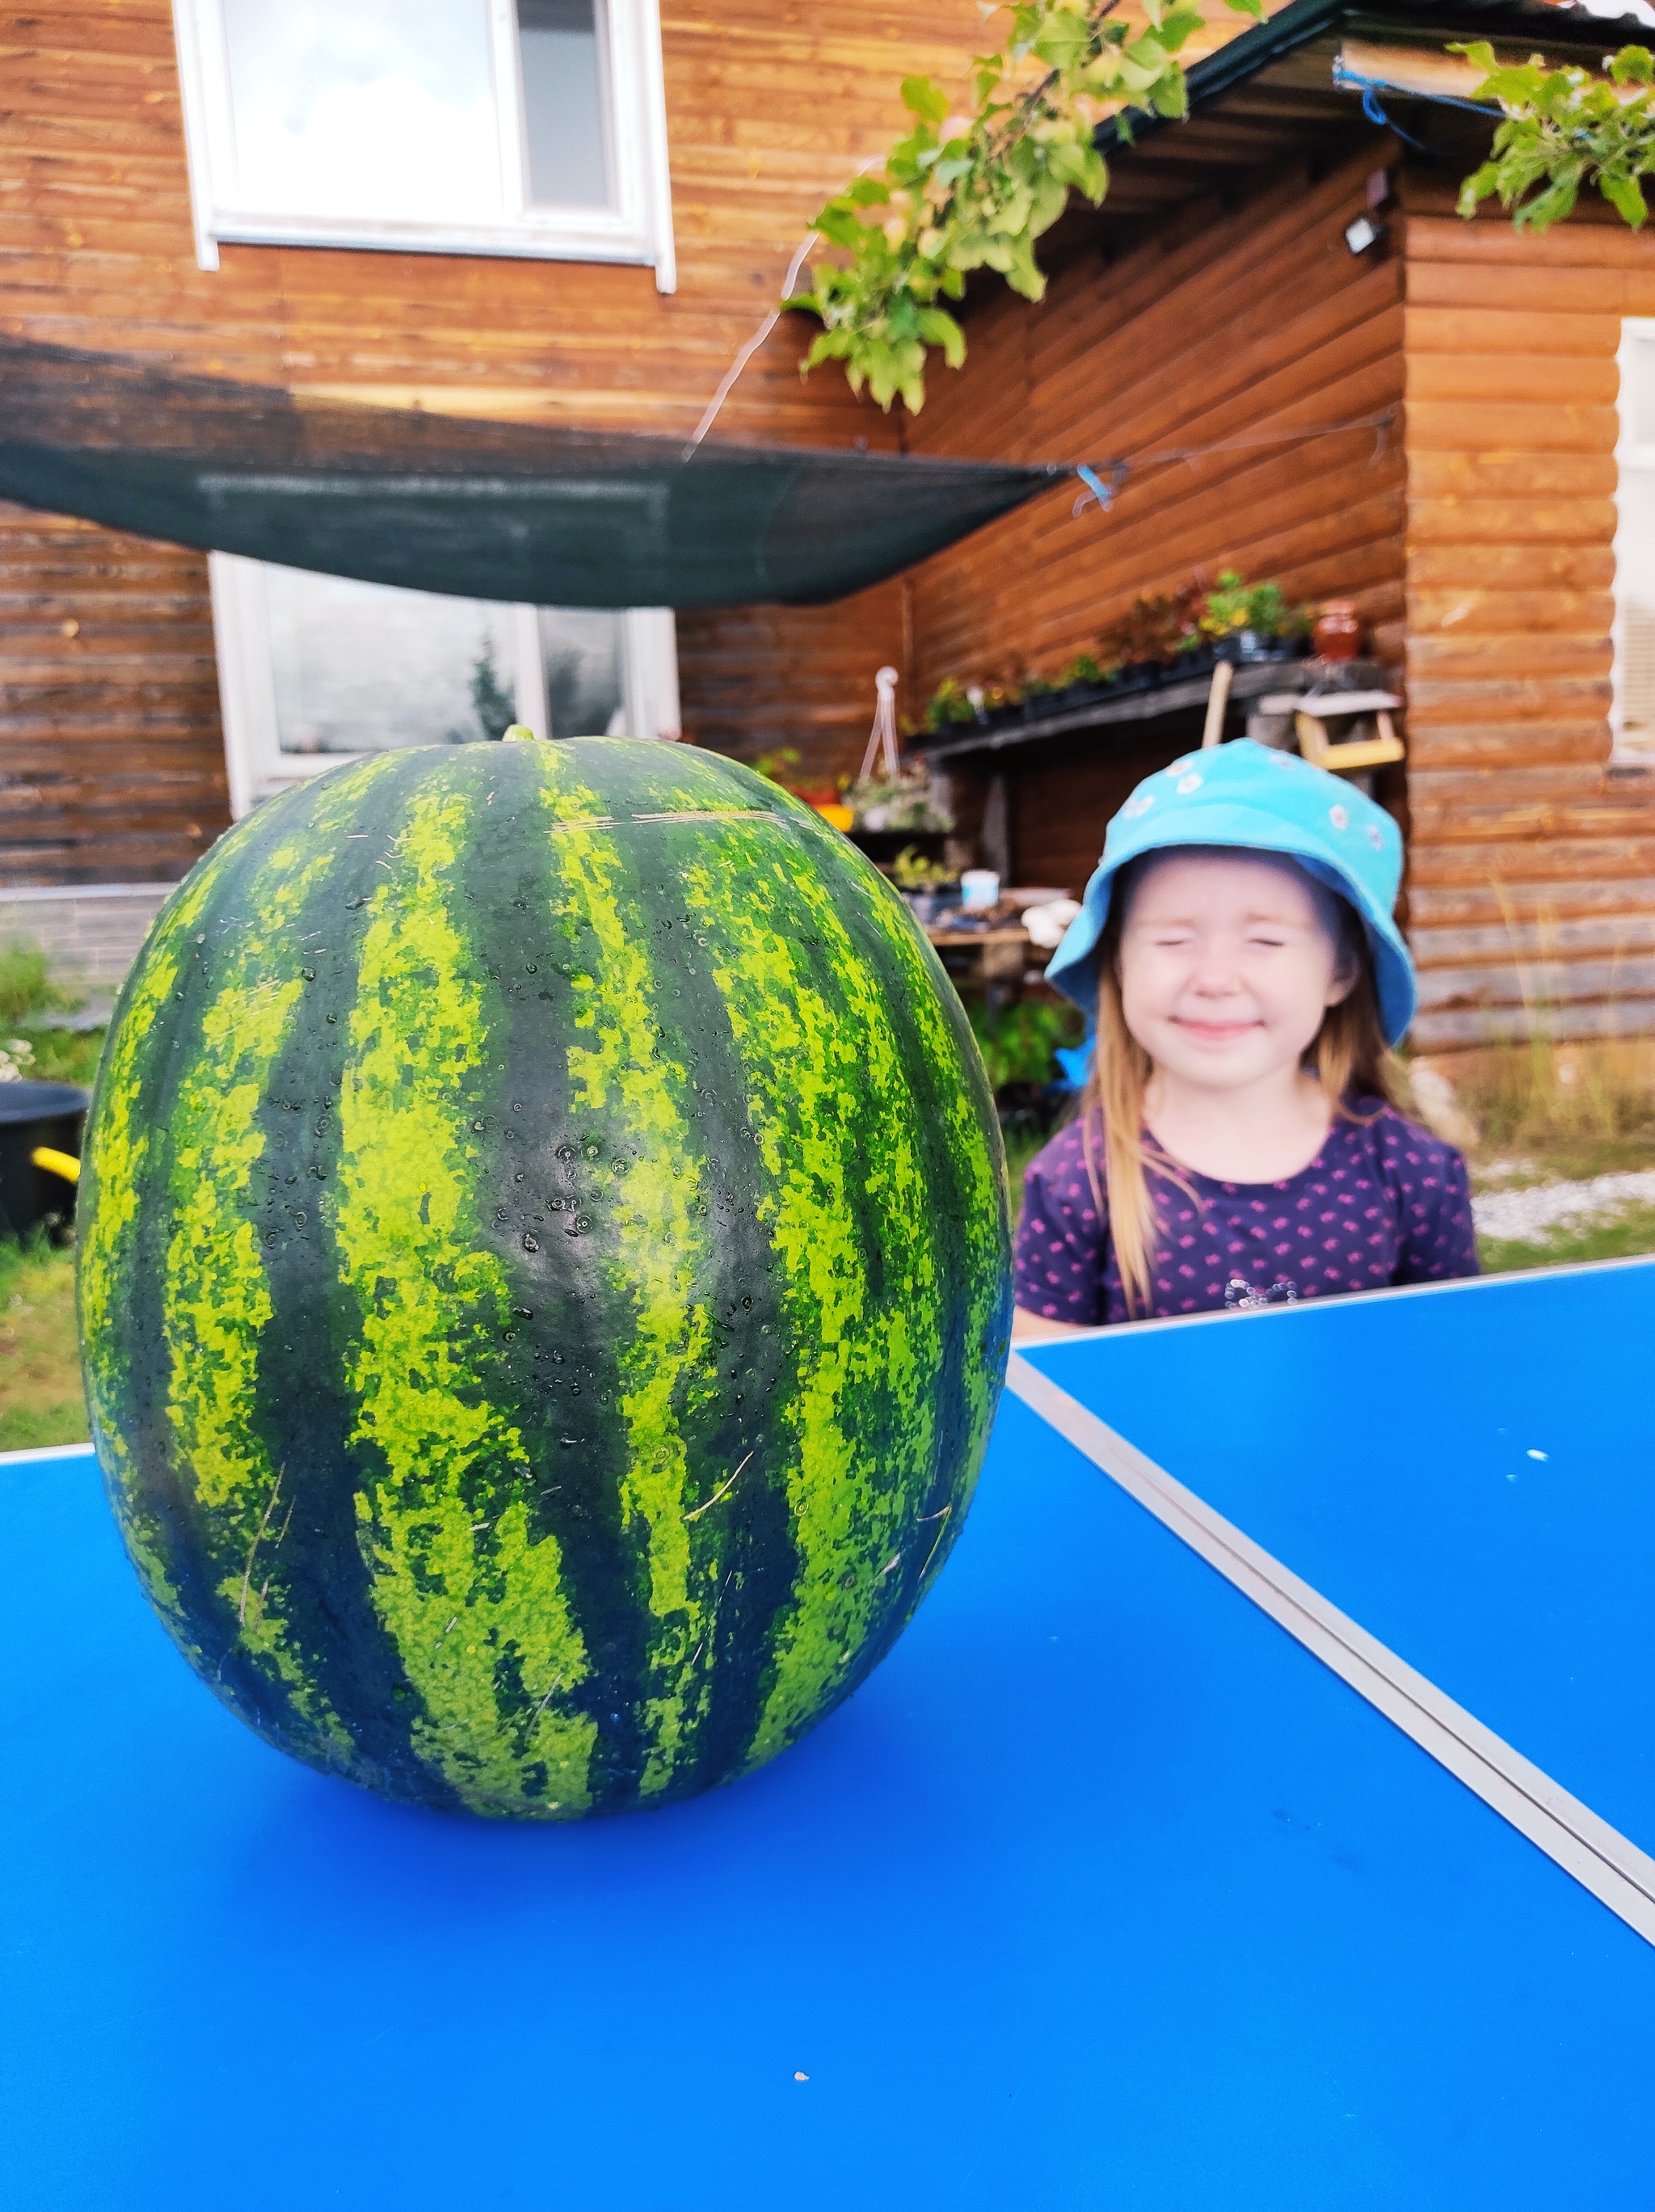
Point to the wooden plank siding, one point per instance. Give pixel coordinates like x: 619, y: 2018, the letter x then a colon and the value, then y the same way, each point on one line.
x: 1532, y: 891
x: 1236, y: 327
x: 111, y: 759
x: 769, y: 108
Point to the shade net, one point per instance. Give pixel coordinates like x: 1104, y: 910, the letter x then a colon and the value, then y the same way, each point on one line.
x: 552, y: 517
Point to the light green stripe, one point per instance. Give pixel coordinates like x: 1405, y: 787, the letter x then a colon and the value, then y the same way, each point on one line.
x: 474, y: 1603
x: 836, y: 1126
x: 121, y: 1142
x: 658, y: 1252
x: 217, y: 1300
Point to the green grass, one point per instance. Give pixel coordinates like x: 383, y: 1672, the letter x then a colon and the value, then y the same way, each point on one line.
x: 1630, y: 1232
x: 41, y: 1400
x: 61, y: 1055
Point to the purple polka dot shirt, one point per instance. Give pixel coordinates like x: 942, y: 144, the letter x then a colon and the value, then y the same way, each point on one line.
x: 1382, y: 1202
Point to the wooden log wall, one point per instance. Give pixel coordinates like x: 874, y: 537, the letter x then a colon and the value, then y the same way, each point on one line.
x: 1533, y: 862
x: 112, y: 761
x: 770, y: 108
x: 1251, y: 328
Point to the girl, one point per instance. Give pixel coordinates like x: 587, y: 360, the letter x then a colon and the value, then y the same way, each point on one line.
x: 1237, y: 1142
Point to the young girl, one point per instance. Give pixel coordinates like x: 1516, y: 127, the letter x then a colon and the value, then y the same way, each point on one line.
x: 1237, y: 1142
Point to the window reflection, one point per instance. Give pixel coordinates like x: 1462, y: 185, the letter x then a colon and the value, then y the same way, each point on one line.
x: 365, y: 107
x: 563, y: 103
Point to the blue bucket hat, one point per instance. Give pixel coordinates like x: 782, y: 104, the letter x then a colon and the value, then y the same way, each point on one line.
x: 1258, y: 800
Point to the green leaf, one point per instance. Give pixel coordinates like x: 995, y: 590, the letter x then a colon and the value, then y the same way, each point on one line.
x: 1171, y: 97
x: 937, y: 327
x: 1626, y: 196
x: 1632, y: 65
x: 1178, y: 27
x: 1253, y: 8
x: 925, y: 97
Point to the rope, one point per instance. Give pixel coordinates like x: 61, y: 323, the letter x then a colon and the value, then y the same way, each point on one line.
x: 881, y: 739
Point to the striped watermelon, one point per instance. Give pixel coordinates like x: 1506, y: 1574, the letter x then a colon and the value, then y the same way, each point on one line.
x: 542, y: 1272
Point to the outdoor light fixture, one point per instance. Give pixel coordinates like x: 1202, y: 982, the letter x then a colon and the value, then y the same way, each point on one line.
x: 1362, y: 233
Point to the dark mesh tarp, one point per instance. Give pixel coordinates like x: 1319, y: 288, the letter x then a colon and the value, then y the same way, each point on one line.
x: 490, y: 511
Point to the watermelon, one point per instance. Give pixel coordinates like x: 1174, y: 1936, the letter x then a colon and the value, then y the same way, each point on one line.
x: 542, y: 1273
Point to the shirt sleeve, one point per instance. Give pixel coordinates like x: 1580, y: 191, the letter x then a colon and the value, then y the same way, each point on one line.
x: 1062, y: 1238
x: 1439, y: 1236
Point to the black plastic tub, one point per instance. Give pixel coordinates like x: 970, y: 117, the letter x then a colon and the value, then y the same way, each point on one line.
x: 36, y: 1117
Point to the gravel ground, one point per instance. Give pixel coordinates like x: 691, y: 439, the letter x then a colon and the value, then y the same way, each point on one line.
x: 1529, y: 1215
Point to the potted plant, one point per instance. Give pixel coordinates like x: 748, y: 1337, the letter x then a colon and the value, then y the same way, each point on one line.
x: 931, y: 889
x: 1252, y: 621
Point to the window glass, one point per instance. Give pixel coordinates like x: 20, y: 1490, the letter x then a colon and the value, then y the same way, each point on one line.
x: 586, y: 688
x: 563, y: 103
x: 364, y: 107
x: 363, y: 667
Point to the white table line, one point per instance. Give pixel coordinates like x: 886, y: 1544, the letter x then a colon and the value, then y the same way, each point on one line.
x: 1599, y: 1856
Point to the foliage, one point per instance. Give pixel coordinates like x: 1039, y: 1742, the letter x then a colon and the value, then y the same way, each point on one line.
x: 1019, y: 1043
x: 1236, y: 606
x: 1630, y: 1232
x: 492, y: 701
x: 1084, y: 668
x: 1564, y: 129
x: 40, y: 1400
x: 25, y: 988
x: 1156, y: 628
x: 63, y: 1055
x: 948, y: 705
x: 908, y: 803
x: 1583, y: 1108
x: 912, y: 872
x: 774, y: 766
x: 965, y: 192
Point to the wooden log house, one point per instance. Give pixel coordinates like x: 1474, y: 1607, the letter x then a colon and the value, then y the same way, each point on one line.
x: 1215, y: 302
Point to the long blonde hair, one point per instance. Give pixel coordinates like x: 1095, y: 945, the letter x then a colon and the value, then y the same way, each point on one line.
x: 1348, y: 1056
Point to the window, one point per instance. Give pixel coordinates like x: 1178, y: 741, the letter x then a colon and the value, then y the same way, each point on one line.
x: 1633, y: 715
x: 531, y: 127
x: 313, y: 670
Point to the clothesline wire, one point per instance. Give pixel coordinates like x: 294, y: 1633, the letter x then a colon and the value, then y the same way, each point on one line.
x: 1105, y: 479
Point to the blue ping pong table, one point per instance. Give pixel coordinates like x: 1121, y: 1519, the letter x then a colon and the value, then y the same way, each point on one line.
x: 1256, y: 1815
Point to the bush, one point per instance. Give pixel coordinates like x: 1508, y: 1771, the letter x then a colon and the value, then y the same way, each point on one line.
x: 1019, y: 1044
x: 25, y: 987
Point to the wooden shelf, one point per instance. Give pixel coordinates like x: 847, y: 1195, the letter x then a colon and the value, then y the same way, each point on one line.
x: 1252, y: 679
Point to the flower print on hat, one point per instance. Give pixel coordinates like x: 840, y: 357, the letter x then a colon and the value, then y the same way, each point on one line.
x: 1339, y: 816
x: 1186, y: 784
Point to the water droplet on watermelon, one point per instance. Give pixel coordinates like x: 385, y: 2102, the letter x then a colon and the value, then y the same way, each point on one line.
x: 746, y: 1302
x: 531, y: 1244
x: 508, y: 1336
x: 566, y: 1152
x: 524, y: 1313
x: 200, y: 940
x: 582, y: 1225
x: 532, y: 969
x: 591, y: 1151
x: 519, y: 1176
x: 574, y: 1390
x: 309, y: 975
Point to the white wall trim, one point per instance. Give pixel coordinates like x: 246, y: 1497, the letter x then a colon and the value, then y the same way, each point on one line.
x: 257, y: 767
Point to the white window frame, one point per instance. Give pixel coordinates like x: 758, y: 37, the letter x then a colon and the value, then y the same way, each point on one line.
x: 1628, y: 453
x: 637, y: 228
x: 254, y: 758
